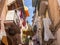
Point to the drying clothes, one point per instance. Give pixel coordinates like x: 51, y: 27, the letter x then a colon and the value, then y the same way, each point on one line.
x: 26, y: 11
x: 21, y: 14
x: 47, y: 33
x: 30, y: 42
x: 25, y: 28
x: 35, y: 39
x: 18, y: 13
x: 24, y: 23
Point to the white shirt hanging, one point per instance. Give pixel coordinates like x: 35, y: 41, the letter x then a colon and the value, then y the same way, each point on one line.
x: 47, y: 33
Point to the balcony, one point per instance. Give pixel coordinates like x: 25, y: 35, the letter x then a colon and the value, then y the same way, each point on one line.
x: 12, y: 20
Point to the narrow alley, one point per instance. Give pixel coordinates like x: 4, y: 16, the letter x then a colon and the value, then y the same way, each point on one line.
x: 29, y: 22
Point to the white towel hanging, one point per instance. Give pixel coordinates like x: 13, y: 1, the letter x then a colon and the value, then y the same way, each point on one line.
x: 47, y: 33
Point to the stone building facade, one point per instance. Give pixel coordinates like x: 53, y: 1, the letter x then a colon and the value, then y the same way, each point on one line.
x: 53, y: 7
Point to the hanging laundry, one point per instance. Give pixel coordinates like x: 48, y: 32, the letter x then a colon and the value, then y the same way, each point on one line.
x: 24, y: 23
x: 25, y: 28
x: 47, y: 33
x: 21, y: 21
x: 21, y: 14
x: 26, y: 11
x: 18, y: 22
x: 18, y: 13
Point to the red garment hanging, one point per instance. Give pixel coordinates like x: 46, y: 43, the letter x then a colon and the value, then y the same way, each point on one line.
x: 21, y: 14
x: 24, y: 23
